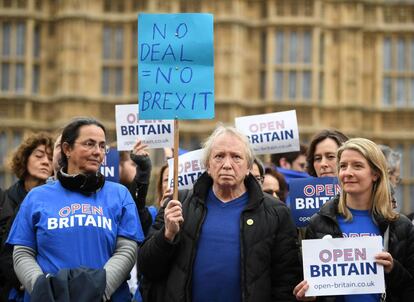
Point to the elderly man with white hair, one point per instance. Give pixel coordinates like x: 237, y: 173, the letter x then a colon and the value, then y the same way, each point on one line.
x: 225, y: 240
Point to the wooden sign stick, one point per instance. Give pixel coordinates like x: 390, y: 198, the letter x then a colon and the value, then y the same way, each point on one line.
x: 175, y: 154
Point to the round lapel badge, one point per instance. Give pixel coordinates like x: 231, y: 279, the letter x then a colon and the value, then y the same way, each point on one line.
x: 250, y: 221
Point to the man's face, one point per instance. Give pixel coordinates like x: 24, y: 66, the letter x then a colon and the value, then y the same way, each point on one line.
x: 228, y: 165
x: 299, y: 164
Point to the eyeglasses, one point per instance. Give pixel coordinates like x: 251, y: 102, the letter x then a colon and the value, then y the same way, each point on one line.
x: 91, y: 145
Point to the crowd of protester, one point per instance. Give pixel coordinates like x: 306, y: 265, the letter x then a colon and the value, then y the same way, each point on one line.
x: 67, y: 234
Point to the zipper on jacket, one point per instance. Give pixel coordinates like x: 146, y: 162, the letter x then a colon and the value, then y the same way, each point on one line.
x: 249, y: 208
x: 243, y: 279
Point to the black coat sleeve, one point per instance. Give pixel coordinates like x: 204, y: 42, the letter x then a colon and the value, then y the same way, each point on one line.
x: 156, y: 253
x: 139, y: 189
x: 400, y: 281
x: 286, y: 263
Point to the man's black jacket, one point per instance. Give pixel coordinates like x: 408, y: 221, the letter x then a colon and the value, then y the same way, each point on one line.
x: 270, y: 262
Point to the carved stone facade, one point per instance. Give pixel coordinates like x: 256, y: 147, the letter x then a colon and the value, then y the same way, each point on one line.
x: 341, y: 64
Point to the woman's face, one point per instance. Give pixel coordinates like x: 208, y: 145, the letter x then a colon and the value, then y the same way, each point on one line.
x: 166, y: 191
x: 39, y: 163
x: 88, y: 150
x: 165, y: 179
x: 355, y: 173
x: 271, y: 185
x: 324, y: 159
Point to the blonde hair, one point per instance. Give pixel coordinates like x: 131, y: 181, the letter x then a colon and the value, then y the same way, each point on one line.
x: 381, y: 194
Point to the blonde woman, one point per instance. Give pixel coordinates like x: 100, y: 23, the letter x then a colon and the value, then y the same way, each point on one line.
x: 364, y: 209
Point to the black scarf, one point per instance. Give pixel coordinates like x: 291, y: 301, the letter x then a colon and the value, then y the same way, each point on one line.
x: 86, y: 184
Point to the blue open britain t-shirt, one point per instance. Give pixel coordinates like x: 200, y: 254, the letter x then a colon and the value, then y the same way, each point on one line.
x: 360, y: 225
x: 68, y: 229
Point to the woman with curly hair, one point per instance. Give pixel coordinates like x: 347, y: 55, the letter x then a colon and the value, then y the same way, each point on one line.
x: 32, y: 165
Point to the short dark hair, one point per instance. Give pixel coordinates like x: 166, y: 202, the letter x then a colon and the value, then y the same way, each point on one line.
x: 335, y: 135
x: 71, y: 132
x: 289, y: 156
x: 20, y: 157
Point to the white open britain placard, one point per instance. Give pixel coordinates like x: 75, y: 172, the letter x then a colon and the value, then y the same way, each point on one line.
x: 343, y: 266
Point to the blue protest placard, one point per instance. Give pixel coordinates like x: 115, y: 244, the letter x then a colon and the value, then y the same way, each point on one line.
x: 307, y: 195
x: 110, y: 165
x: 175, y: 66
